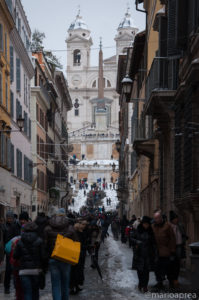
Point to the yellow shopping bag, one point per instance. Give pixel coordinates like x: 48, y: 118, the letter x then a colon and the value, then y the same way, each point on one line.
x: 66, y: 250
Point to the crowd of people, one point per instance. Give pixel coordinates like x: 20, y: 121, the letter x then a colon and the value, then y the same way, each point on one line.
x: 29, y: 245
x: 158, y: 246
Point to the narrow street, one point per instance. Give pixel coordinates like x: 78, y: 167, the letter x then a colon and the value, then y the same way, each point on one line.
x: 119, y: 281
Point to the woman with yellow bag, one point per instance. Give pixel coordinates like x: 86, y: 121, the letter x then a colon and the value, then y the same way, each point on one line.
x: 60, y: 270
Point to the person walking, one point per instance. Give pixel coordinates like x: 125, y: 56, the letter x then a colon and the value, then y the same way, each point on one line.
x: 144, y: 252
x: 124, y: 223
x: 180, y: 252
x: 10, y: 230
x: 166, y: 245
x: 30, y: 253
x: 60, y: 271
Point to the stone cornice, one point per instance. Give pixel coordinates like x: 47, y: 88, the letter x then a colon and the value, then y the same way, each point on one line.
x: 21, y: 51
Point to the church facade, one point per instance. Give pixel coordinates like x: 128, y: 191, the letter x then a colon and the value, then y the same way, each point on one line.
x: 93, y: 120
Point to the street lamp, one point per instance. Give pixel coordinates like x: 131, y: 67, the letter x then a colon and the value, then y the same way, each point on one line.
x: 127, y: 85
x: 20, y: 123
x: 118, y: 145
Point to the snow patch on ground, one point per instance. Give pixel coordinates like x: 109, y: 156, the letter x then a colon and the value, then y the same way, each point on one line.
x: 120, y: 261
x: 80, y: 200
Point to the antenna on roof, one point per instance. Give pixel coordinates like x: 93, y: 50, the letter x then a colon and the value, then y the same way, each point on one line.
x: 79, y: 10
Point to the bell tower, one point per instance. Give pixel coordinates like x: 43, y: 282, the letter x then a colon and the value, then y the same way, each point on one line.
x: 125, y: 34
x: 79, y: 42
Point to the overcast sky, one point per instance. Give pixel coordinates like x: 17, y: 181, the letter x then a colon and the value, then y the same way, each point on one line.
x: 53, y: 17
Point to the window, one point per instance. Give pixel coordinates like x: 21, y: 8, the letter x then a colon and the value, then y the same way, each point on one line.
x: 38, y: 148
x: 108, y: 83
x: 6, y: 96
x: 11, y: 104
x: 77, y: 58
x: 27, y: 170
x: 18, y: 74
x: 1, y: 88
x: 25, y: 123
x: 12, y: 158
x: 6, y: 50
x: 19, y: 26
x: 29, y: 129
x: 18, y: 109
x: 37, y: 112
x: 19, y: 163
x: 94, y: 85
x: 1, y: 37
x: 76, y: 106
x: 11, y: 64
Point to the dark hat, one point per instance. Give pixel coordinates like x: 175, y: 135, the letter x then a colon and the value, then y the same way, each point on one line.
x: 172, y: 215
x: 146, y: 219
x: 24, y: 216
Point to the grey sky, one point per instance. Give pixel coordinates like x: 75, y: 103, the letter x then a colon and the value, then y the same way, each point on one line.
x: 102, y: 17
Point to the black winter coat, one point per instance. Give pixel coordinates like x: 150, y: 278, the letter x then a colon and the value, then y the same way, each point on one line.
x: 30, y: 249
x: 144, y: 248
x: 57, y: 225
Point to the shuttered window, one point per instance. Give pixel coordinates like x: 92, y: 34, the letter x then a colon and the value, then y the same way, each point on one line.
x: 29, y: 128
x: 25, y: 123
x: 18, y: 74
x: 6, y: 96
x: 172, y: 11
x: 11, y: 104
x: 12, y: 158
x: 19, y: 163
x: 11, y: 64
x: 8, y: 153
x: 1, y: 37
x: 6, y: 49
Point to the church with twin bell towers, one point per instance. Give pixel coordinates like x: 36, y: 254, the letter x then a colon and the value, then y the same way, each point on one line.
x: 93, y: 120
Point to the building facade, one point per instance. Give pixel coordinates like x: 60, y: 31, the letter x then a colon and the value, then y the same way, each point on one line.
x: 93, y: 121
x: 6, y: 26
x: 21, y: 73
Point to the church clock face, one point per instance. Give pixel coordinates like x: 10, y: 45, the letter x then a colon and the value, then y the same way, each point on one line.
x: 76, y: 80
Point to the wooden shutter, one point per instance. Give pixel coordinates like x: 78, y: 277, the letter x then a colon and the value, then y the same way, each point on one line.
x: 8, y: 153
x: 1, y: 37
x: 181, y: 24
x: 172, y: 11
x: 18, y: 74
x: 11, y: 64
x: 29, y: 128
x: 12, y: 158
x: 11, y: 104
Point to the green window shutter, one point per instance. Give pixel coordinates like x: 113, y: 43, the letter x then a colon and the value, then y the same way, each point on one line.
x: 20, y: 164
x: 6, y: 96
x: 30, y: 128
x: 25, y: 168
x: 6, y: 50
x: 12, y: 158
x: 1, y: 37
x: 8, y: 153
x: 11, y: 104
x: 18, y: 74
x: 11, y: 64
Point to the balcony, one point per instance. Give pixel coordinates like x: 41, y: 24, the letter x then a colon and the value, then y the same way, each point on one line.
x: 161, y: 86
x: 45, y: 93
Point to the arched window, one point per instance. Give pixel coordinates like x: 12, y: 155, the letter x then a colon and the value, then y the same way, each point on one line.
x: 76, y: 106
x: 77, y: 58
x: 94, y: 85
x: 108, y: 83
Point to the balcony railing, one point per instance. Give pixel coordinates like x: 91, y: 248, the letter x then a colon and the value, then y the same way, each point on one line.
x: 163, y: 75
